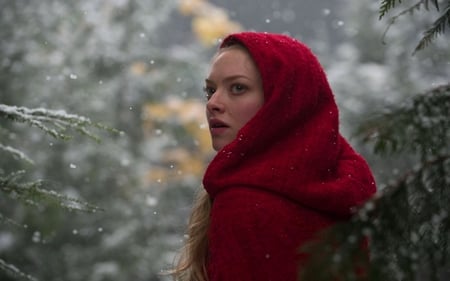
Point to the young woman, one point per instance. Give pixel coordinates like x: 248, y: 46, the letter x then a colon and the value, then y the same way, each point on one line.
x: 282, y: 171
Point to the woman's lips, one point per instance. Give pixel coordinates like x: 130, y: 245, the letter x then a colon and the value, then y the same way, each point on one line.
x: 217, y: 126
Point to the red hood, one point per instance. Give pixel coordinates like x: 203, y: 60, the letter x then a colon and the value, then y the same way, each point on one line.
x: 292, y: 146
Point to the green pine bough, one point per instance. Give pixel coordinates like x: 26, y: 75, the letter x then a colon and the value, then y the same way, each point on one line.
x: 437, y: 27
x: 57, y: 124
x: 403, y: 232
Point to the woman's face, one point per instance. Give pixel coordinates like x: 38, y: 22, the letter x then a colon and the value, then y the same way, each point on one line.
x: 234, y: 92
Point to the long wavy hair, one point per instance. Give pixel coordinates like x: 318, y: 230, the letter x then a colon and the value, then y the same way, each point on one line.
x: 191, y: 262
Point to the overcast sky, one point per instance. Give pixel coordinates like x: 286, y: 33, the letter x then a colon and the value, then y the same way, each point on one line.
x: 298, y: 17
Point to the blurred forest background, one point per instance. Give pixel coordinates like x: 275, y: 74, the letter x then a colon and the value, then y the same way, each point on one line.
x: 138, y: 66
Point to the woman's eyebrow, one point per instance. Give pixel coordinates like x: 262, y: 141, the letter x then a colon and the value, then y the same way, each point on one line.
x: 229, y: 78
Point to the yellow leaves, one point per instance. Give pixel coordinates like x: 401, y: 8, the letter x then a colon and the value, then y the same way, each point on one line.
x: 138, y: 68
x: 209, y: 23
x: 186, y: 159
x: 188, y: 7
x: 209, y: 29
x: 183, y: 110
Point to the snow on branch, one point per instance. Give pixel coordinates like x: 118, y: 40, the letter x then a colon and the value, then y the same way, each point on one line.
x: 9, y: 221
x: 403, y: 232
x: 420, y: 125
x: 16, y: 153
x: 406, y: 224
x: 53, y: 122
x: 34, y: 193
x: 14, y: 271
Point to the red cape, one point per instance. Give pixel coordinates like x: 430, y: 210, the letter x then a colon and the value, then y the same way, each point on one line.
x: 287, y: 175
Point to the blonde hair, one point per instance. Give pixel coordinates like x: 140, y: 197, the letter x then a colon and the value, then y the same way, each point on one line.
x: 191, y: 262
x: 192, y: 259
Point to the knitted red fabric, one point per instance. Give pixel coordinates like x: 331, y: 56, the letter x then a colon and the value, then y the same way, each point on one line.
x: 288, y: 174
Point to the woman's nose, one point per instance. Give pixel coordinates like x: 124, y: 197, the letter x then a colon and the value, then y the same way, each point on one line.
x: 215, y: 102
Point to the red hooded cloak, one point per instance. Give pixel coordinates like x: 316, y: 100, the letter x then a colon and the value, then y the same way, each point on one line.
x: 287, y: 175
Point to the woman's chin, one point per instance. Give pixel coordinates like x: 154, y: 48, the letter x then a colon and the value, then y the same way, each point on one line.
x: 217, y: 146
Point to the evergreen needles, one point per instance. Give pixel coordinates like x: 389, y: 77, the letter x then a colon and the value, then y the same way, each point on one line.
x: 52, y: 122
x: 437, y: 27
x: 420, y: 126
x: 35, y: 193
x: 14, y: 271
x: 407, y: 223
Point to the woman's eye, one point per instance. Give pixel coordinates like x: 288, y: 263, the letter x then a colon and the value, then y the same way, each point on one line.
x: 209, y: 91
x: 238, y: 88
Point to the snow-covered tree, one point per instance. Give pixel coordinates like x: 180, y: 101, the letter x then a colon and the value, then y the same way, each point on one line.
x: 406, y: 223
x: 109, y: 61
x: 38, y: 193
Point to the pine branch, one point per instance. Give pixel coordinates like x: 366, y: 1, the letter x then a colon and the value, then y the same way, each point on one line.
x: 437, y: 28
x: 386, y: 6
x: 9, y: 221
x: 404, y: 222
x: 34, y: 193
x: 395, y: 186
x: 52, y: 122
x: 393, y: 19
x: 15, y: 272
x: 16, y: 153
x: 435, y: 3
x: 408, y: 128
